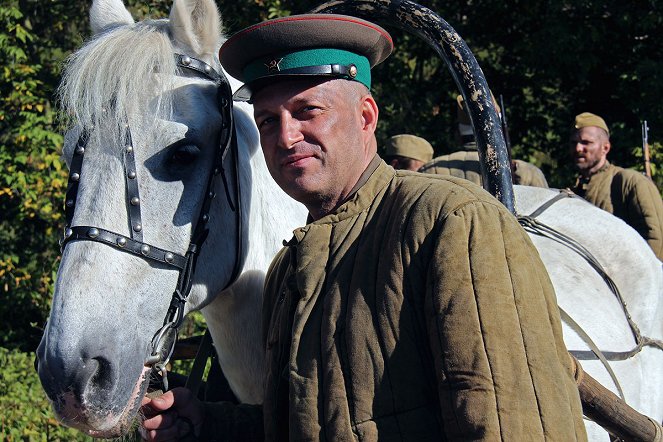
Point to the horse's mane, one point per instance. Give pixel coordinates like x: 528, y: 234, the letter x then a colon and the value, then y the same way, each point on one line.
x: 111, y: 76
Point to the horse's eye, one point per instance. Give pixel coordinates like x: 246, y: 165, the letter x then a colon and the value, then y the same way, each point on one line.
x: 184, y: 155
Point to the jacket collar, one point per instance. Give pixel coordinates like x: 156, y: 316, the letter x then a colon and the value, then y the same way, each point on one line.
x: 376, y: 176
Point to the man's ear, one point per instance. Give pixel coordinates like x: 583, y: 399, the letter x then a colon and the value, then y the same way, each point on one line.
x: 606, y: 147
x: 369, y: 114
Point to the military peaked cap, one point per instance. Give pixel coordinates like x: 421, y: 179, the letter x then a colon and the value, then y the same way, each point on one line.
x: 587, y: 119
x: 332, y: 45
x: 409, y: 146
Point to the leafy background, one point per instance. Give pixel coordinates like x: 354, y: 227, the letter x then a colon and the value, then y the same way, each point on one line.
x: 549, y: 59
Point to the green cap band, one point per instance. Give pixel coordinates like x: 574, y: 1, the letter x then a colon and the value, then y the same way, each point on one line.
x: 281, y: 64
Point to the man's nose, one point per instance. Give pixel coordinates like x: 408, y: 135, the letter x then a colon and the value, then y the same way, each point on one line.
x: 289, y: 132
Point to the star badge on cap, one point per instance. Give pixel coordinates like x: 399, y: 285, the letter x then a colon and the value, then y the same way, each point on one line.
x: 273, y: 65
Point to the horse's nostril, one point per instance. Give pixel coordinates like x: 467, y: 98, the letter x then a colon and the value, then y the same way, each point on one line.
x: 102, y: 379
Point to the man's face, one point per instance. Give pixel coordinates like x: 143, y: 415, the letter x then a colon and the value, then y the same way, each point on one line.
x: 589, y: 147
x: 313, y: 137
x: 406, y: 164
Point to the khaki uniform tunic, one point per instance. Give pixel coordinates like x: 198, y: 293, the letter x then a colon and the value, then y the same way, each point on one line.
x: 418, y: 311
x: 465, y: 164
x: 630, y: 196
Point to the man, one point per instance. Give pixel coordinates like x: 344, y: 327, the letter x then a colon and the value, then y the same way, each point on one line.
x: 410, y: 307
x: 464, y: 163
x: 625, y: 193
x: 407, y: 152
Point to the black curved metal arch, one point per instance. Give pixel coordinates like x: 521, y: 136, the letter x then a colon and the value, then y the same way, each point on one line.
x: 465, y: 70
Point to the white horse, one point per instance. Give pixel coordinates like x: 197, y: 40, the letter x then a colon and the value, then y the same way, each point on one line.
x: 108, y: 304
x: 592, y: 307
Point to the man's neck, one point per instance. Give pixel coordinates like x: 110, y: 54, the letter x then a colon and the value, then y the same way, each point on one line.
x: 324, y: 208
x: 589, y: 172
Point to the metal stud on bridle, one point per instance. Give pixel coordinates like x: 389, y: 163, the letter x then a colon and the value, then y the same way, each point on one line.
x: 164, y: 340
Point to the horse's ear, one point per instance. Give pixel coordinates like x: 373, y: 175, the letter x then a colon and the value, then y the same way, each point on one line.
x: 197, y: 25
x: 106, y: 14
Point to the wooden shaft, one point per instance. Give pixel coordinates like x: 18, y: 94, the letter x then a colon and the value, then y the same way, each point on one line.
x: 613, y: 414
x: 647, y: 160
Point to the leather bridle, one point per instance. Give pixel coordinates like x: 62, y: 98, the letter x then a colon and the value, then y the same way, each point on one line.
x: 163, y: 341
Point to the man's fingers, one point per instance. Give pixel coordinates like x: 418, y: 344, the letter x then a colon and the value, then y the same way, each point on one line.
x: 160, y: 403
x: 166, y: 428
x: 160, y: 421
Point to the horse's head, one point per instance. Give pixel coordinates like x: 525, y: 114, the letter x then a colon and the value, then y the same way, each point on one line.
x: 124, y: 88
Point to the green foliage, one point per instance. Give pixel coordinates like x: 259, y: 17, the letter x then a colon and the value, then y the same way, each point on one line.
x: 26, y: 412
x: 31, y: 183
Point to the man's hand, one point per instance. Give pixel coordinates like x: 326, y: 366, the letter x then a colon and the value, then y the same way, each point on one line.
x: 171, y: 416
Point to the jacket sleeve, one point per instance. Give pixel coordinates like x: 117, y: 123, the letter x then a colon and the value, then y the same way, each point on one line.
x: 503, y: 372
x: 645, y: 210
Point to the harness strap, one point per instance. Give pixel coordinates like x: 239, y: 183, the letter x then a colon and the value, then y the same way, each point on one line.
x: 563, y: 193
x: 595, y: 350
x: 141, y: 249
x: 75, y: 170
x: 133, y: 195
x: 194, y: 380
x: 534, y: 226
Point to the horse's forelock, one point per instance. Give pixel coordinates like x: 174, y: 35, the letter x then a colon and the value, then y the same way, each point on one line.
x: 110, y: 77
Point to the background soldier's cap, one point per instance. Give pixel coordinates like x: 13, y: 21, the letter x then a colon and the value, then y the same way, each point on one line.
x: 587, y: 119
x: 332, y: 45
x: 409, y: 146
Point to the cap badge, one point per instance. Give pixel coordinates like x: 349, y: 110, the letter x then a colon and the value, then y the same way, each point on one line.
x: 273, y: 65
x: 352, y: 71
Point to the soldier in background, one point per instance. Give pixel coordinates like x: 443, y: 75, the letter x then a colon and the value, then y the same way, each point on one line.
x: 407, y: 152
x: 464, y: 163
x: 625, y: 193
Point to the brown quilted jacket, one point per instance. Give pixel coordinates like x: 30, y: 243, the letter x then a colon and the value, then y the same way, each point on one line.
x: 465, y: 164
x: 630, y: 196
x: 418, y: 311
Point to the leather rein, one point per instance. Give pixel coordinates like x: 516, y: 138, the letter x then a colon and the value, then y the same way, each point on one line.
x: 164, y: 340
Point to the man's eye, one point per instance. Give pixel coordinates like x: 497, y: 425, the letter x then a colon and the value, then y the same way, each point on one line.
x: 266, y: 122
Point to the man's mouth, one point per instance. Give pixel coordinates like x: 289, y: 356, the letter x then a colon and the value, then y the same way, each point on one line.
x: 296, y: 160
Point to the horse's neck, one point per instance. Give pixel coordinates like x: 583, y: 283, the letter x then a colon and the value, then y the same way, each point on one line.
x: 233, y: 317
x: 271, y: 215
